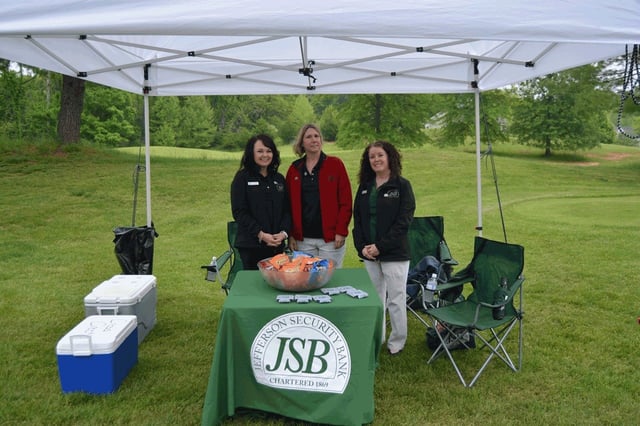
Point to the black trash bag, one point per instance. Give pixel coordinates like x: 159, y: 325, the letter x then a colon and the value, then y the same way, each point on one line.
x: 134, y: 249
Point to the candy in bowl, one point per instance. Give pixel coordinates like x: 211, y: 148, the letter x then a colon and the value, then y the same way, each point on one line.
x: 296, y: 272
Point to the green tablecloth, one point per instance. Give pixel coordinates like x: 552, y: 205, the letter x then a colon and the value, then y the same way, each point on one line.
x: 298, y: 351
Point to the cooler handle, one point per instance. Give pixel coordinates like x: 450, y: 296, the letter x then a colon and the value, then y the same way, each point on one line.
x: 107, y: 310
x: 80, y: 345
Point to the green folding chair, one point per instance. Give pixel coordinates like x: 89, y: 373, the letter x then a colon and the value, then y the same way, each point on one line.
x: 426, y: 238
x: 493, y: 263
x: 228, y: 261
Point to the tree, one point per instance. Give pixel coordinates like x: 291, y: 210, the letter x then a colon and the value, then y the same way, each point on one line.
x: 164, y: 120
x: 563, y: 111
x: 397, y: 118
x: 239, y: 117
x: 13, y: 107
x: 458, y: 120
x: 109, y: 116
x: 330, y: 123
x: 301, y: 113
x: 71, y: 104
x: 196, y: 127
x: 27, y: 111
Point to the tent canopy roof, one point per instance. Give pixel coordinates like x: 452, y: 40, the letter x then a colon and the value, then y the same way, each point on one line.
x: 196, y: 47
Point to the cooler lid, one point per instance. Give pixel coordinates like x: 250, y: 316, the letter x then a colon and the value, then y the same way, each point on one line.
x: 96, y: 335
x: 125, y: 289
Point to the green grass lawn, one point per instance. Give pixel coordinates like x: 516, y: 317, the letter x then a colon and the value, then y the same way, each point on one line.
x: 576, y: 215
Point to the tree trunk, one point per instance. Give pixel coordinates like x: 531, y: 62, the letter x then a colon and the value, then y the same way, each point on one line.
x: 377, y: 117
x: 71, y: 103
x: 547, y: 147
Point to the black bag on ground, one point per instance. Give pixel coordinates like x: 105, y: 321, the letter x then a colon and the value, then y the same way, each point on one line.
x: 134, y: 249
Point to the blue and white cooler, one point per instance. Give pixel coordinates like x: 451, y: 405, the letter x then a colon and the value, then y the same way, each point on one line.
x: 98, y: 353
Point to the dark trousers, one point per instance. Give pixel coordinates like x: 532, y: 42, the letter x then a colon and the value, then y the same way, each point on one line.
x: 251, y: 256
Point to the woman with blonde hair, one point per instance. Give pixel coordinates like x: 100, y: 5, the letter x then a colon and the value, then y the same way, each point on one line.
x: 320, y: 199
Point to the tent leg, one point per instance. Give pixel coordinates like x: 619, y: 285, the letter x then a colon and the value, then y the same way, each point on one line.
x: 147, y: 158
x: 478, y: 162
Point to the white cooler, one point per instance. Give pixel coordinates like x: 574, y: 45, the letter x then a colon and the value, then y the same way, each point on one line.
x: 126, y: 295
x: 98, y: 353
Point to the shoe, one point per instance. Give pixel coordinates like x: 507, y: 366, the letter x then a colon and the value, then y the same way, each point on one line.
x: 394, y: 353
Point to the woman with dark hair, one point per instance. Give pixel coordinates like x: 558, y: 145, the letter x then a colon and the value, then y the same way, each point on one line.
x: 259, y: 203
x: 382, y: 213
x: 320, y: 196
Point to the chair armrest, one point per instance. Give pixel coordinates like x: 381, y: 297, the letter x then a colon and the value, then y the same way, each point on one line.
x: 444, y: 254
x: 462, y: 277
x: 224, y: 258
x: 451, y: 284
x: 215, y: 266
x: 515, y: 286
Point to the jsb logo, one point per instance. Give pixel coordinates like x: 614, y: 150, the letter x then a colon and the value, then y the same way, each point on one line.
x: 298, y: 355
x: 301, y: 350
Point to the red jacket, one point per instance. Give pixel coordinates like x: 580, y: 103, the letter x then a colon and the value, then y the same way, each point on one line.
x: 335, y: 198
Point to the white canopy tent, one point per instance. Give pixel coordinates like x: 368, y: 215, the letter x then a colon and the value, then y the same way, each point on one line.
x: 200, y: 47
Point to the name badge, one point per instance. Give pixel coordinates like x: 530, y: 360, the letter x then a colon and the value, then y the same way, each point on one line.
x: 253, y: 183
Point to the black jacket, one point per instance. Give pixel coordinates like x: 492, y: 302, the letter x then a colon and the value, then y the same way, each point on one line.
x: 394, y: 213
x: 259, y: 203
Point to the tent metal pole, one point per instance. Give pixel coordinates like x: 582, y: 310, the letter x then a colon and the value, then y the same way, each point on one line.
x: 478, y: 162
x: 147, y: 158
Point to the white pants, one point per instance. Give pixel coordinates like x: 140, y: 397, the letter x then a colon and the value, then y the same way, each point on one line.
x: 390, y: 279
x: 318, y: 247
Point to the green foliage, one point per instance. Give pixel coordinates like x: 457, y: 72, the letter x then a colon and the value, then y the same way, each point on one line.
x: 563, y: 111
x: 330, y: 123
x: 239, y: 117
x: 197, y: 126
x: 397, y: 118
x: 164, y: 120
x: 300, y: 114
x: 567, y: 111
x: 109, y: 116
x: 12, y: 110
x: 458, y: 118
x: 30, y: 99
x: 322, y: 102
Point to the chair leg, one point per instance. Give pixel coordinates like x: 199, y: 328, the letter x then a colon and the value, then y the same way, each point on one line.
x: 498, y: 349
x: 443, y: 347
x: 418, y: 316
x: 495, y: 344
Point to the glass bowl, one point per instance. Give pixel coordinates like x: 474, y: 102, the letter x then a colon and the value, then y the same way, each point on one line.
x: 291, y: 276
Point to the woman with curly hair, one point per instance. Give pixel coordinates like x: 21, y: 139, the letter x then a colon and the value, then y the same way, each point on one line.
x: 382, y: 213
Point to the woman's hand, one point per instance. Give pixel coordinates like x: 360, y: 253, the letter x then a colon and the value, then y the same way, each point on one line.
x: 339, y: 241
x: 272, y: 240
x: 293, y: 244
x: 370, y: 252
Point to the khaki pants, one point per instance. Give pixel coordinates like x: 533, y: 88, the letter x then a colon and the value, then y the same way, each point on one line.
x: 320, y: 248
x: 390, y: 279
